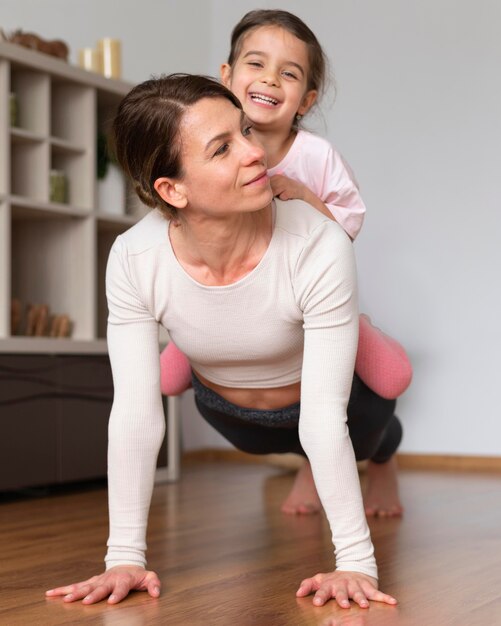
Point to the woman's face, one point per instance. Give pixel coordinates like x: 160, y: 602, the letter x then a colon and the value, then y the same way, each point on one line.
x: 224, y: 165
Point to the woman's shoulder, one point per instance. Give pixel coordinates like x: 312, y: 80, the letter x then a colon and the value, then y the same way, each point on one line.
x: 299, y: 219
x: 149, y: 232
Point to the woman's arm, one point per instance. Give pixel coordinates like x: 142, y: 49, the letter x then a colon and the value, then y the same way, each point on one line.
x: 327, y: 290
x: 136, y: 430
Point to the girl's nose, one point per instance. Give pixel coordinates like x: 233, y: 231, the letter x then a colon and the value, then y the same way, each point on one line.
x: 269, y: 77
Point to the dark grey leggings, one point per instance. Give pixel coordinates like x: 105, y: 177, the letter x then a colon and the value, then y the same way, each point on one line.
x: 374, y: 429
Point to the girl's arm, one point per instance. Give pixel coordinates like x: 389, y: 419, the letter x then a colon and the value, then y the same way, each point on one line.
x: 320, y: 176
x: 290, y: 189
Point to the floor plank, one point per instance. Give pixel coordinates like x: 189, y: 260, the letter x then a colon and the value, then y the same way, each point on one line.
x: 227, y: 556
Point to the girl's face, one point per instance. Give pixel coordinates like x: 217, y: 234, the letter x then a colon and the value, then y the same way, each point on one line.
x: 224, y: 164
x: 270, y: 78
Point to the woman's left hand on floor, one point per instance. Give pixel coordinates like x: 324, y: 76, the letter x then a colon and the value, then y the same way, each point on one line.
x: 342, y: 586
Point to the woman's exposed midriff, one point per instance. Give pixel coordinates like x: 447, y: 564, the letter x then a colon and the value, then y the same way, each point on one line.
x: 262, y: 399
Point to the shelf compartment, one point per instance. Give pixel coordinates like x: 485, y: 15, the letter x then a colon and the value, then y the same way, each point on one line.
x: 52, y: 263
x: 107, y: 231
x: 32, y: 89
x: 76, y: 168
x: 72, y: 112
x: 29, y: 164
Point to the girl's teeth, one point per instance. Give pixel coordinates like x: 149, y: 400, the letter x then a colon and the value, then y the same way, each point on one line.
x: 263, y: 99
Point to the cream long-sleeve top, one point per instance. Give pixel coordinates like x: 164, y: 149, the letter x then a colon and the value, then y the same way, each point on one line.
x: 293, y: 317
x: 313, y: 161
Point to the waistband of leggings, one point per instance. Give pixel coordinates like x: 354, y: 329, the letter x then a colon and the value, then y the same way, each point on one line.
x: 213, y: 400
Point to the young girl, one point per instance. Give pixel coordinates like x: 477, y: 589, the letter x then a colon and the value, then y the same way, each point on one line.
x: 276, y: 68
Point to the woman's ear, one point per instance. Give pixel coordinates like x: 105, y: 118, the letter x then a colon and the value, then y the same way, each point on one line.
x: 171, y: 192
x: 307, y: 102
x: 225, y: 73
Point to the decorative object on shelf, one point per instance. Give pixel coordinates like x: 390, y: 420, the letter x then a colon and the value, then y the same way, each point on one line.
x: 15, y: 315
x: 55, y: 47
x: 39, y: 322
x: 111, y: 187
x: 90, y: 59
x: 58, y: 186
x: 14, y: 109
x: 111, y: 57
x: 60, y: 326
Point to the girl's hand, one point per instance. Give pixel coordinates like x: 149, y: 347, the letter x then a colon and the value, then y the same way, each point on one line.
x: 287, y: 188
x: 343, y: 586
x: 113, y: 584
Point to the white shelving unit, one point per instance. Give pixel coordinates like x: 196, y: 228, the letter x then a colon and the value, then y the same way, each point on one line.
x: 50, y: 252
x: 55, y: 253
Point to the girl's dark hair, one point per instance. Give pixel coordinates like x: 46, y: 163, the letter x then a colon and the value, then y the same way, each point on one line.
x: 145, y: 135
x: 291, y: 23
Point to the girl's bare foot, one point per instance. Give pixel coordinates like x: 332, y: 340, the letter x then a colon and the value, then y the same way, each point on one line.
x: 303, y: 498
x: 381, y: 497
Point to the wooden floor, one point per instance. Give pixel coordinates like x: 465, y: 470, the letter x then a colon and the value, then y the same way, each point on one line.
x: 226, y: 556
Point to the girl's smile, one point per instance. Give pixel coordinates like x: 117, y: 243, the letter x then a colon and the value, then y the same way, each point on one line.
x: 270, y: 78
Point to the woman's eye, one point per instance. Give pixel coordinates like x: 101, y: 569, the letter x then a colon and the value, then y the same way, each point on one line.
x: 247, y: 130
x: 222, y: 149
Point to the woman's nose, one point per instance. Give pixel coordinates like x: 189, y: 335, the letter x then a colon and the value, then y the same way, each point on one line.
x: 253, y: 151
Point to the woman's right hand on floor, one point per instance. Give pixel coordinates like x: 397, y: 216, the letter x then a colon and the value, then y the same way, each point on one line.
x: 342, y: 586
x: 113, y: 584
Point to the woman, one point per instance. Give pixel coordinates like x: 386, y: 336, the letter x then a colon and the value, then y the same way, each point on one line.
x: 226, y: 267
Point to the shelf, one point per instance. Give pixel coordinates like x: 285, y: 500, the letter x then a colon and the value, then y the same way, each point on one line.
x: 20, y: 135
x: 65, y: 147
x: 26, y: 208
x: 49, y: 345
x: 54, y: 416
x: 55, y: 253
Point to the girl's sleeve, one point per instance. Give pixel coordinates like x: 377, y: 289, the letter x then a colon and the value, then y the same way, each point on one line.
x: 340, y: 193
x: 325, y: 282
x: 137, y: 423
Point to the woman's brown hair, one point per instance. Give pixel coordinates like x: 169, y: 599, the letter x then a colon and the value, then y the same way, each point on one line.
x: 145, y: 137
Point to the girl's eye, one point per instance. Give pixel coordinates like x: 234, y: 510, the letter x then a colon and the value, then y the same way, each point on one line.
x: 222, y: 149
x: 290, y: 75
x: 255, y: 64
x: 247, y: 130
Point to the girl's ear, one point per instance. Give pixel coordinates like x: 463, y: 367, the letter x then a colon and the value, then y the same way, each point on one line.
x: 307, y: 102
x: 225, y: 73
x: 171, y: 192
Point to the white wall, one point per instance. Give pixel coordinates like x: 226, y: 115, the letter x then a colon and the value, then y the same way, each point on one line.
x: 417, y: 115
x: 155, y: 34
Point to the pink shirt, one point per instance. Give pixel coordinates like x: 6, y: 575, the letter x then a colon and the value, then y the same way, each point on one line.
x: 312, y: 161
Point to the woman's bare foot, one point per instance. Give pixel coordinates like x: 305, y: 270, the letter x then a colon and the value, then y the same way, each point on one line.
x: 381, y: 498
x: 303, y: 498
